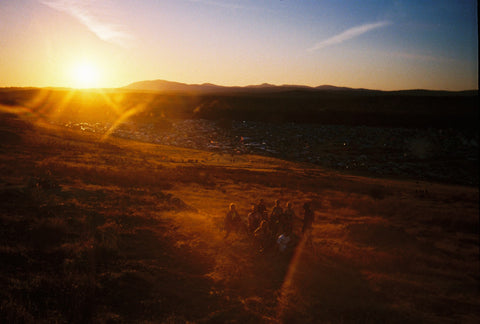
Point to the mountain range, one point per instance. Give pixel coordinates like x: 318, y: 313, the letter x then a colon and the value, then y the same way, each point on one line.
x: 170, y: 86
x: 209, y: 88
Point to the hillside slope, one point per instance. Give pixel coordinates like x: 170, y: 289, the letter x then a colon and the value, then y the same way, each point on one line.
x: 111, y: 230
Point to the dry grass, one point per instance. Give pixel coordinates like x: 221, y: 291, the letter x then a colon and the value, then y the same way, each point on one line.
x: 118, y: 231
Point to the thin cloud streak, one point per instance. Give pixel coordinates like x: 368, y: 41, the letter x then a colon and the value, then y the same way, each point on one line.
x: 228, y: 5
x: 349, y: 34
x: 422, y: 57
x: 93, y: 15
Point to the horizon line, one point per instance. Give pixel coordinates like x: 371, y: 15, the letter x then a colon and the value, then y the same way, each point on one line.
x: 264, y: 84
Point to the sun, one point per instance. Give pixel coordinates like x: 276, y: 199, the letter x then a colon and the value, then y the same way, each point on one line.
x: 85, y: 75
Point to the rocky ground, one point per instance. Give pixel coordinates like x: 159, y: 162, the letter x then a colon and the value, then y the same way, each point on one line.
x: 445, y: 155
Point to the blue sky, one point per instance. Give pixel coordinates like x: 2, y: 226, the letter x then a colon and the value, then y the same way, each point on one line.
x: 387, y: 45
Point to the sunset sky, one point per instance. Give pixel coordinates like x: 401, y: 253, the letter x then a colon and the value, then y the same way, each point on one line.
x: 383, y: 44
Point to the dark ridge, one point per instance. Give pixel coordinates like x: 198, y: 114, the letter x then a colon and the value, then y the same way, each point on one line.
x: 337, y: 106
x: 207, y: 88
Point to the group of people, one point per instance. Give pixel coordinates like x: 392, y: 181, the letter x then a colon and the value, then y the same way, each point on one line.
x: 268, y: 229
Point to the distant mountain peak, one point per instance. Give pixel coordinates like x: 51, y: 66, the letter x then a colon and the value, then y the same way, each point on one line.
x: 332, y: 87
x: 263, y: 85
x: 172, y: 86
x: 167, y: 86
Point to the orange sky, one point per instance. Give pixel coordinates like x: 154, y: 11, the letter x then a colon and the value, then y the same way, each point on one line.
x: 386, y: 45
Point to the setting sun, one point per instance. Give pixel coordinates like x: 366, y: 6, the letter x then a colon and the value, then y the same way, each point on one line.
x: 85, y: 75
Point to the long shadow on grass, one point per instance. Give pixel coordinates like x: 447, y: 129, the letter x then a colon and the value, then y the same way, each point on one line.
x: 326, y: 290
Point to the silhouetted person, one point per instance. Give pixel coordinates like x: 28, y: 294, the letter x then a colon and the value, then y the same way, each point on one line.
x: 308, y: 218
x: 232, y: 219
x: 262, y: 235
x: 286, y: 221
x: 262, y: 209
x: 253, y: 220
x: 274, y: 220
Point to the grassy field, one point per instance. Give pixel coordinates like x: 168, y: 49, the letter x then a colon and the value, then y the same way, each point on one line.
x: 107, y: 230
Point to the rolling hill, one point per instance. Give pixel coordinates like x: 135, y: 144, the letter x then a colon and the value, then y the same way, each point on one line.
x: 101, y: 229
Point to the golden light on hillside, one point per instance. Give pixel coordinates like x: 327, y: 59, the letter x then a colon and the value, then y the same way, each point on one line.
x: 85, y: 75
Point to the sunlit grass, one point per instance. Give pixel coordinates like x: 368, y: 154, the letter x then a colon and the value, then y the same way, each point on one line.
x: 116, y: 230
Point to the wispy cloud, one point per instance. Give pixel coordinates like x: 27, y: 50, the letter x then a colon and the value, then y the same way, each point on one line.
x: 349, y: 34
x: 223, y: 4
x: 96, y: 16
x: 421, y: 57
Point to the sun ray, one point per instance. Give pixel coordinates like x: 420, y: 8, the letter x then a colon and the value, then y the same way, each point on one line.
x: 111, y: 103
x: 127, y: 114
x: 63, y: 104
x: 288, y: 281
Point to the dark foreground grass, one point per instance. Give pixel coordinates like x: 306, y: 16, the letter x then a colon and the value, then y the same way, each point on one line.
x: 82, y: 256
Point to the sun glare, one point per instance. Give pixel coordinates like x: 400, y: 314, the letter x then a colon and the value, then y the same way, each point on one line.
x: 85, y: 75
